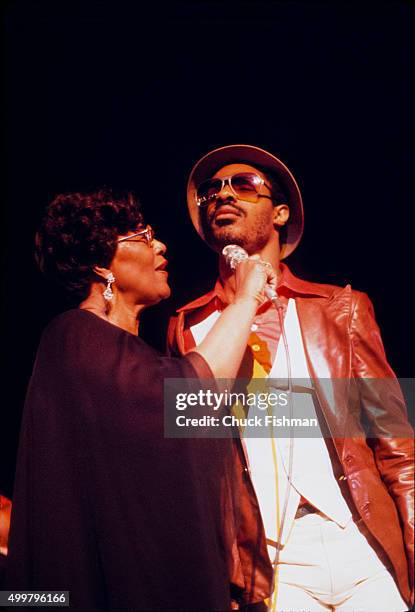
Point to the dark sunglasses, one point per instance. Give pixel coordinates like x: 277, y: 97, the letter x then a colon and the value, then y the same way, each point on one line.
x: 245, y: 185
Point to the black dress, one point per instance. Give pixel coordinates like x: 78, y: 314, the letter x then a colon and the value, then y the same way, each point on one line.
x: 104, y: 505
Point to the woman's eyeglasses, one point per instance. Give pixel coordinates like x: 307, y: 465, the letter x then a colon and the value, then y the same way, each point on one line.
x: 146, y: 235
x: 245, y: 185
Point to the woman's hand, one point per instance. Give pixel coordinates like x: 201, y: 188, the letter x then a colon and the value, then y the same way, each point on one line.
x: 225, y: 344
x: 252, y: 275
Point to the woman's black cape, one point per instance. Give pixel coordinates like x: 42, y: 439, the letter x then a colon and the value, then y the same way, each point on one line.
x: 105, y: 506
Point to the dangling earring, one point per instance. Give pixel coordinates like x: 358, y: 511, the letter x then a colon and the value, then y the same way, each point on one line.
x: 108, y: 293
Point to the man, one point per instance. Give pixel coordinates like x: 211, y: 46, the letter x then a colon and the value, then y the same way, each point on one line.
x: 341, y: 533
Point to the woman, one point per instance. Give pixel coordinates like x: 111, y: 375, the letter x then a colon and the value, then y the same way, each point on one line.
x: 105, y: 507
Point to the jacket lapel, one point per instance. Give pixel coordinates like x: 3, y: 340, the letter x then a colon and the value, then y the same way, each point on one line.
x: 324, y: 327
x: 325, y: 330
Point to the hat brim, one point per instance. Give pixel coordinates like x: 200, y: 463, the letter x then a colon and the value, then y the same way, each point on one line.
x: 206, y: 167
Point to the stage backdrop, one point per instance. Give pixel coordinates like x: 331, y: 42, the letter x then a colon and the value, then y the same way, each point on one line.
x: 130, y: 96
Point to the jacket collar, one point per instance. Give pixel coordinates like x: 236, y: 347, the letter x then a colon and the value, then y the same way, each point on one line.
x: 296, y: 286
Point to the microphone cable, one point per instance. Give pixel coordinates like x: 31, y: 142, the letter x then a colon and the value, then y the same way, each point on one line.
x: 273, y: 598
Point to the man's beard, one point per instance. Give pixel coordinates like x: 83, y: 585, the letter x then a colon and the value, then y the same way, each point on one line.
x: 219, y: 237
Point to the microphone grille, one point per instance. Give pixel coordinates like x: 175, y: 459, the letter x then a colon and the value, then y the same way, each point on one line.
x: 234, y: 254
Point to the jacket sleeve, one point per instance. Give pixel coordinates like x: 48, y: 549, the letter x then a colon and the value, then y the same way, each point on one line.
x: 385, y: 411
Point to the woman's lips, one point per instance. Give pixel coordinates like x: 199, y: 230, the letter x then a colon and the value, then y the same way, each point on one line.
x: 162, y: 267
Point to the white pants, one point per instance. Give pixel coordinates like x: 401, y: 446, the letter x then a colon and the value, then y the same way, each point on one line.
x: 326, y: 567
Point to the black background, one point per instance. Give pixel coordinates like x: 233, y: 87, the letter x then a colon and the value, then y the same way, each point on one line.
x: 130, y: 95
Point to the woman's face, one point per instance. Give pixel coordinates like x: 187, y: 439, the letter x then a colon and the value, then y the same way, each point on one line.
x: 139, y: 267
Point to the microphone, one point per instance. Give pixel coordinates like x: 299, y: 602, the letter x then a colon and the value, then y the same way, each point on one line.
x: 234, y: 254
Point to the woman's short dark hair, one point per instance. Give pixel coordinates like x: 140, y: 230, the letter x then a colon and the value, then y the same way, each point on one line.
x: 80, y: 231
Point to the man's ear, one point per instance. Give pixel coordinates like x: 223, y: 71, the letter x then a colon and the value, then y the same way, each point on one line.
x: 281, y: 215
x: 103, y: 272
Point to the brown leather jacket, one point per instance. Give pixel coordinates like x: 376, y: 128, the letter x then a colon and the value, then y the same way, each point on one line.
x: 342, y: 343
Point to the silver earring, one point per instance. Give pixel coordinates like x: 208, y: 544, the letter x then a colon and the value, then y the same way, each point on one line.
x: 108, y: 293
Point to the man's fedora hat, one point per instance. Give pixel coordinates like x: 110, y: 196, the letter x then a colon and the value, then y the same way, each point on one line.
x: 206, y: 167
